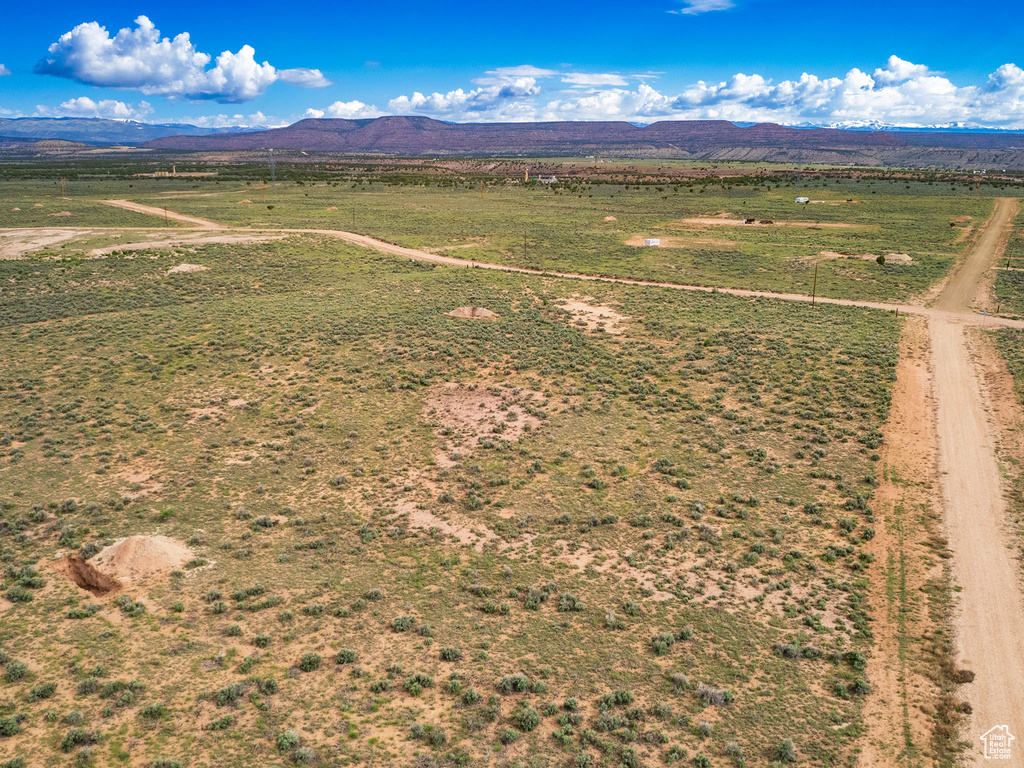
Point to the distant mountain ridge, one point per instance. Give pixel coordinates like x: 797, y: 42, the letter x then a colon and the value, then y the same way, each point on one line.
x: 95, y: 130
x: 698, y: 139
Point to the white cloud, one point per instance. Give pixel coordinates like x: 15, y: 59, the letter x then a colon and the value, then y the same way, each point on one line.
x: 593, y: 79
x: 83, y: 106
x: 899, y: 93
x: 4, y: 70
x: 304, y: 78
x: 490, y: 102
x: 255, y: 120
x: 139, y: 59
x: 352, y: 110
x: 693, y: 7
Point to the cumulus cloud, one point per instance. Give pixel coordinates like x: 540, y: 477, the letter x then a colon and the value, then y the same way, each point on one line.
x: 140, y: 59
x: 899, y: 93
x: 111, y: 109
x: 693, y: 7
x: 304, y: 78
x: 593, y: 79
x: 4, y: 70
x: 492, y: 101
x: 348, y: 110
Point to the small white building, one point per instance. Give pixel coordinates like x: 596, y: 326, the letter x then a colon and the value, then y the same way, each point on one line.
x: 803, y: 199
x: 652, y: 241
x: 547, y: 179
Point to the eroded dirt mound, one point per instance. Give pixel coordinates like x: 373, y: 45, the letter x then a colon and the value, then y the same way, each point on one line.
x: 474, y: 313
x: 82, y: 574
x: 467, y: 414
x: 186, y: 268
x: 610, y: 218
x: 138, y: 556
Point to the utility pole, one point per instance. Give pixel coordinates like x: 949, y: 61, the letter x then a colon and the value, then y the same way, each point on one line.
x: 481, y: 189
x: 165, y: 214
x: 814, y: 289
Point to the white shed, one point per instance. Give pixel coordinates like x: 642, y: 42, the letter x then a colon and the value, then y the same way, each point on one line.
x: 652, y: 241
x: 803, y: 199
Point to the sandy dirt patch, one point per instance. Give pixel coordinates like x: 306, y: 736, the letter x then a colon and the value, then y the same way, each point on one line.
x: 185, y: 240
x: 610, y: 218
x: 637, y: 241
x: 182, y: 268
x: 465, y: 414
x: 595, y: 317
x: 717, y: 222
x: 472, y: 313
x: 60, y: 213
x: 137, y: 557
x: 16, y: 243
x: 244, y: 202
x: 453, y: 524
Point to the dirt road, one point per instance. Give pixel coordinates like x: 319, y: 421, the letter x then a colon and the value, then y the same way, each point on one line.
x: 990, y: 614
x: 128, y: 205
x: 962, y: 288
x: 963, y: 314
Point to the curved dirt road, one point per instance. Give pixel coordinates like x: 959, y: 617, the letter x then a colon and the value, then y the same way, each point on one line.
x: 128, y: 205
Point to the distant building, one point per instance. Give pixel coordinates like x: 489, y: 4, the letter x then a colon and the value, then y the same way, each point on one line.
x: 547, y: 179
x: 652, y: 241
x: 803, y: 199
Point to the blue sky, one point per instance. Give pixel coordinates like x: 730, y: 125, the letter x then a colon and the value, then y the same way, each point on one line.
x: 895, y: 62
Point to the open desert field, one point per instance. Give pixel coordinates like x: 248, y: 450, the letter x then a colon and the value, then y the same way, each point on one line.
x: 344, y: 471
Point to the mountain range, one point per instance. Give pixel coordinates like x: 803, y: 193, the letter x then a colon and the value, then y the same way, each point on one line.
x: 696, y: 139
x: 708, y: 140
x: 94, y: 130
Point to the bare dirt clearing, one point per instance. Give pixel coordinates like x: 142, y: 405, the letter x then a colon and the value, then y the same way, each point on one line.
x: 186, y: 240
x: 464, y: 415
x: 594, y: 317
x: 183, y: 268
x: 17, y: 243
x: 716, y: 222
x: 637, y: 241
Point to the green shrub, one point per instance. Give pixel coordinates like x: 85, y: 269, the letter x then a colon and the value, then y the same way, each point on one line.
x: 16, y: 670
x: 345, y: 656
x: 403, y: 623
x: 526, y: 719
x: 785, y: 752
x: 509, y: 735
x: 41, y: 691
x: 287, y: 741
x: 310, y: 662
x: 450, y: 654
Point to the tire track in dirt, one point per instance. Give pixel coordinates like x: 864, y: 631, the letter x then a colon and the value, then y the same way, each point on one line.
x: 907, y: 503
